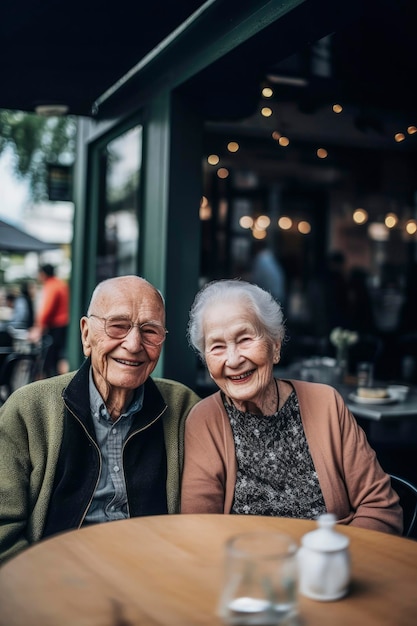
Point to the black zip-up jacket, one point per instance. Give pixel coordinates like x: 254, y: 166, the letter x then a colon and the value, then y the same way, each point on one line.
x: 145, y: 462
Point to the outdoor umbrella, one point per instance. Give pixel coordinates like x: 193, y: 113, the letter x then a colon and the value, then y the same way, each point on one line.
x: 12, y: 239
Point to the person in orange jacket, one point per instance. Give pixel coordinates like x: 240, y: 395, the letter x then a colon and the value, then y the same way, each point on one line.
x: 52, y: 320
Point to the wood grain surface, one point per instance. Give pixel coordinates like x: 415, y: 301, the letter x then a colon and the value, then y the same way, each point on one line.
x: 167, y: 571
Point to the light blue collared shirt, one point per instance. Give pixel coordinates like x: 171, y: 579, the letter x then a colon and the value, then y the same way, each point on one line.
x: 110, y: 498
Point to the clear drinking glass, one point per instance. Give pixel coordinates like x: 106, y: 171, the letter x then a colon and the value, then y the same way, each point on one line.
x: 260, y: 580
x: 365, y: 373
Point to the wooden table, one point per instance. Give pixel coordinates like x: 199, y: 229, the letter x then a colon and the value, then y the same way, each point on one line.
x: 167, y: 571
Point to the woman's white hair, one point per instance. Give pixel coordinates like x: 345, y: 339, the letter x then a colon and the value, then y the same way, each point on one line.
x: 266, y: 310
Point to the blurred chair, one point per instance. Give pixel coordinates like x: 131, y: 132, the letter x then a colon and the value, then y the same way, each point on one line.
x: 17, y: 370
x: 21, y: 368
x: 41, y: 350
x: 408, y: 500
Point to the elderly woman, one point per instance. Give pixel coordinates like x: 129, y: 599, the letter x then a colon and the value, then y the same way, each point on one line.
x: 266, y: 446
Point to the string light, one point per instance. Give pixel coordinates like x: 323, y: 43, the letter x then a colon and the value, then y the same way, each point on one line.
x: 213, y: 159
x: 246, y: 221
x: 411, y: 227
x: 233, y: 146
x: 285, y: 222
x: 267, y: 92
x: 222, y: 172
x: 360, y: 216
x: 262, y: 222
x: 259, y: 234
x: 391, y: 220
x: 304, y: 227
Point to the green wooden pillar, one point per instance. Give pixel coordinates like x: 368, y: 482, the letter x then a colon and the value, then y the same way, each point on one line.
x: 170, y: 227
x: 80, y: 245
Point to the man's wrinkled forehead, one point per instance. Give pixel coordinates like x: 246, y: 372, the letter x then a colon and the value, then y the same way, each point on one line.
x: 134, y: 290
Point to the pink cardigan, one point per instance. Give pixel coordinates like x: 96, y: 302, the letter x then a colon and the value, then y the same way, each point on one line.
x: 354, y: 486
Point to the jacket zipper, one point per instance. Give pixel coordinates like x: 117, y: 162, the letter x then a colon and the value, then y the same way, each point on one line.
x: 128, y: 439
x: 99, y: 455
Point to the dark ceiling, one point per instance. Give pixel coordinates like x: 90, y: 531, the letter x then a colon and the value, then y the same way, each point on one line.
x: 52, y: 52
x: 72, y: 54
x: 372, y: 58
x: 366, y: 60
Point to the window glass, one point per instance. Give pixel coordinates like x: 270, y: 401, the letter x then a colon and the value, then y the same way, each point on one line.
x: 120, y: 170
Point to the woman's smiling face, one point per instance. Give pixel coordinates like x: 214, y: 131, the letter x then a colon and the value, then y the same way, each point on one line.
x: 239, y: 357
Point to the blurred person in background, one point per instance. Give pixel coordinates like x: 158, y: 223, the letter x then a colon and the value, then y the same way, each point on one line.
x: 268, y: 273
x: 360, y: 305
x: 22, y: 317
x: 6, y: 339
x: 388, y: 300
x: 52, y: 320
x: 267, y: 446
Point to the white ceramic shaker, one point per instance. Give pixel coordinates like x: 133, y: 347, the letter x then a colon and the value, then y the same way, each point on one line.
x: 324, y: 561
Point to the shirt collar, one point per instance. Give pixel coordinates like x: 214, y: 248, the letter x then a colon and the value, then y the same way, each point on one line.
x: 98, y: 407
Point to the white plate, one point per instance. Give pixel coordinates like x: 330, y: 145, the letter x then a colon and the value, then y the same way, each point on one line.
x: 360, y: 400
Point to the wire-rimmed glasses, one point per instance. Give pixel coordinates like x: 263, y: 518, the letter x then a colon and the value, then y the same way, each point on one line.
x: 152, y: 333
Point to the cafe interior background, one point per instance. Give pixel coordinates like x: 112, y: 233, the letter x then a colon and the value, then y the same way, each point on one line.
x: 326, y: 161
x: 293, y: 123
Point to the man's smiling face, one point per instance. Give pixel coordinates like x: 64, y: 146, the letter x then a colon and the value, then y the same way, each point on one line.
x: 122, y: 365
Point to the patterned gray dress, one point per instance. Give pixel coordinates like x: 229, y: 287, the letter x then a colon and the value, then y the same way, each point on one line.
x: 276, y: 474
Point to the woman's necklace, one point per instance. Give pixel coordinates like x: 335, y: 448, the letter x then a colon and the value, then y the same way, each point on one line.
x: 276, y: 385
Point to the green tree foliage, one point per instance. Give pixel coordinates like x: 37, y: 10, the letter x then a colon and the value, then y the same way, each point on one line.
x: 35, y: 142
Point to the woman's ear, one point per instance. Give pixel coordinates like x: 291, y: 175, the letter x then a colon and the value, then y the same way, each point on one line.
x: 276, y: 352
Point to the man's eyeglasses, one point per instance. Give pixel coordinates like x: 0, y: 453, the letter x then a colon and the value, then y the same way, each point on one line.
x: 152, y: 334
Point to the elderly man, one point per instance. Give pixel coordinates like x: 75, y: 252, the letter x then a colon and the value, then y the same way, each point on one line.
x: 100, y: 444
